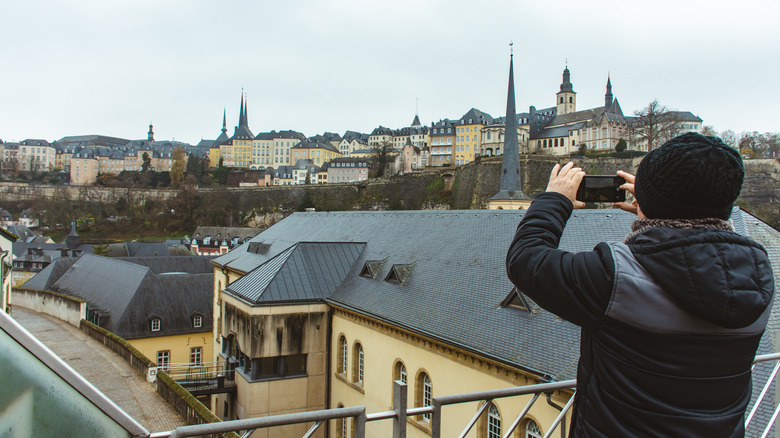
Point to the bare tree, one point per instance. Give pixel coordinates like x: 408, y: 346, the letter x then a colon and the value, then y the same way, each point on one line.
x: 729, y: 137
x: 382, y: 155
x: 178, y: 166
x: 655, y: 124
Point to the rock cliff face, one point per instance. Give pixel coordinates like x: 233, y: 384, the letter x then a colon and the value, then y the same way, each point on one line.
x: 466, y: 187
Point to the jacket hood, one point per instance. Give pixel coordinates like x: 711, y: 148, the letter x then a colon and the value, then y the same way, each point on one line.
x: 719, y: 276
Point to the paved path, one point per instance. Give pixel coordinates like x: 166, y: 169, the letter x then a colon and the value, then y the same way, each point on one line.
x: 109, y: 372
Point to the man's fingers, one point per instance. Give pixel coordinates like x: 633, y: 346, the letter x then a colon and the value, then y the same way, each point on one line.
x: 626, y: 176
x: 625, y: 206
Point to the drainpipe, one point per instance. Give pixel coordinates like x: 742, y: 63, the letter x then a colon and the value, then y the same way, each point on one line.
x: 559, y: 408
x: 2, y: 282
x: 327, y: 367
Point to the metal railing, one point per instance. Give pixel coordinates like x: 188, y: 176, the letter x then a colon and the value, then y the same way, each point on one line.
x: 400, y: 413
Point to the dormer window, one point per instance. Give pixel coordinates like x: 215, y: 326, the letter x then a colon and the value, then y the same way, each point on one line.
x: 197, y: 321
x: 156, y: 325
x: 517, y: 300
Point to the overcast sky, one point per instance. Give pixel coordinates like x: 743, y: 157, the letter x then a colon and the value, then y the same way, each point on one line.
x: 109, y: 67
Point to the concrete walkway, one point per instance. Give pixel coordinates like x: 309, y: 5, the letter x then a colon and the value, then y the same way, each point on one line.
x: 109, y: 372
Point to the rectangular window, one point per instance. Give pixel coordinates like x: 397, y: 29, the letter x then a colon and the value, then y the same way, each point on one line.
x: 197, y: 321
x: 164, y: 360
x: 267, y: 368
x: 196, y: 356
x: 155, y: 325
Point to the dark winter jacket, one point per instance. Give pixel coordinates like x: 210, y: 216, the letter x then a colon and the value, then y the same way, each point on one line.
x: 670, y: 322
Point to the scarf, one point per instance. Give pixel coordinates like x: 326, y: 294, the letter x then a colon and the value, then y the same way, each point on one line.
x: 642, y: 225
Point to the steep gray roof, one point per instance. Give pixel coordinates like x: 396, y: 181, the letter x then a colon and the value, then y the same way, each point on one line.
x: 128, y: 293
x: 446, y: 279
x: 559, y: 131
x: 306, y: 271
x: 48, y: 275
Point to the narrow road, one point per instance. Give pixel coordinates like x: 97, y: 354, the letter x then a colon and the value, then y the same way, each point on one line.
x: 109, y: 372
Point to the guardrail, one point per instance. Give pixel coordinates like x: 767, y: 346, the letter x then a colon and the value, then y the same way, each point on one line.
x: 400, y: 413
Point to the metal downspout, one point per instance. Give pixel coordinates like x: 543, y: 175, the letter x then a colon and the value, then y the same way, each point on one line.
x: 560, y: 409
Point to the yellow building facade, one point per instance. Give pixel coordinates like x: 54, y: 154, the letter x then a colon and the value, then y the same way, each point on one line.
x: 468, y: 135
x: 186, y: 349
x: 389, y: 353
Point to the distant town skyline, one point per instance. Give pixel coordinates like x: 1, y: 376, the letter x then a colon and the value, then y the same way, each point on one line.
x: 86, y: 67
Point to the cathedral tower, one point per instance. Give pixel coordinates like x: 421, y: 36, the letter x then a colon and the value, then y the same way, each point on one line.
x: 566, y: 99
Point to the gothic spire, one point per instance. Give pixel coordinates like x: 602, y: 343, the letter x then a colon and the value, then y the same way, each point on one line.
x: 224, y: 121
x: 511, y: 184
x: 246, y: 114
x: 241, y: 116
x: 608, y: 96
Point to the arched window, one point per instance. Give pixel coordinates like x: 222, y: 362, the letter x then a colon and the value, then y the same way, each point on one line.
x: 357, y: 363
x: 493, y: 422
x: 532, y: 430
x: 561, y: 101
x: 342, y: 365
x: 399, y: 372
x: 341, y: 425
x: 424, y: 393
x: 556, y: 142
x: 571, y: 99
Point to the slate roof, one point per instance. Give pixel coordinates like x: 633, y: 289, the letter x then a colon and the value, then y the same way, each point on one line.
x: 476, y: 117
x: 559, y: 131
x: 451, y: 288
x: 128, y: 293
x: 48, y: 275
x: 306, y: 271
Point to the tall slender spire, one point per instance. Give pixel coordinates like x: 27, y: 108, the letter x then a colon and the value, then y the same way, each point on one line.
x: 246, y: 113
x: 241, y: 116
x: 608, y: 96
x: 511, y: 192
x: 224, y: 121
x: 510, y: 166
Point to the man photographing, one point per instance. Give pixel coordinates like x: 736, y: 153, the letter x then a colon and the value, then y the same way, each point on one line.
x: 672, y: 317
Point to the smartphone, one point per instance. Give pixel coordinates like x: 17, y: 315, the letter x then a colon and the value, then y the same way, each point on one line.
x: 601, y: 188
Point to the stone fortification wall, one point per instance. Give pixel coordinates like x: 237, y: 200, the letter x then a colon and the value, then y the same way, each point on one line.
x: 69, y: 309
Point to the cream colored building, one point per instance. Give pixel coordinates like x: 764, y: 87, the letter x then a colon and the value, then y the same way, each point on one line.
x: 368, y: 302
x: 441, y: 137
x: 83, y: 168
x: 36, y: 155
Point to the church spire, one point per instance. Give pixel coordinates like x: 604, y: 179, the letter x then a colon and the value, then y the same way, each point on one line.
x: 608, y: 96
x: 241, y: 115
x: 150, y: 134
x: 224, y: 121
x: 246, y: 114
x: 511, y: 193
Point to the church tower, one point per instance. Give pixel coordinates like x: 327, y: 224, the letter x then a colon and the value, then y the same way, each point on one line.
x: 510, y: 195
x: 150, y: 134
x: 566, y: 99
x: 608, y: 96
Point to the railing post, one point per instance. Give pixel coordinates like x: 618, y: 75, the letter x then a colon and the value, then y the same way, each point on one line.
x: 399, y: 406
x: 436, y: 419
x: 360, y: 424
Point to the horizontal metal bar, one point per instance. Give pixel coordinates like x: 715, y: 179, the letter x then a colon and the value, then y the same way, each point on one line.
x: 505, y: 392
x: 259, y: 422
x: 380, y: 416
x: 420, y: 411
x: 766, y: 357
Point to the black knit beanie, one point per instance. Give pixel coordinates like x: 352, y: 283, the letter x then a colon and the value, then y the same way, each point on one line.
x: 691, y: 176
